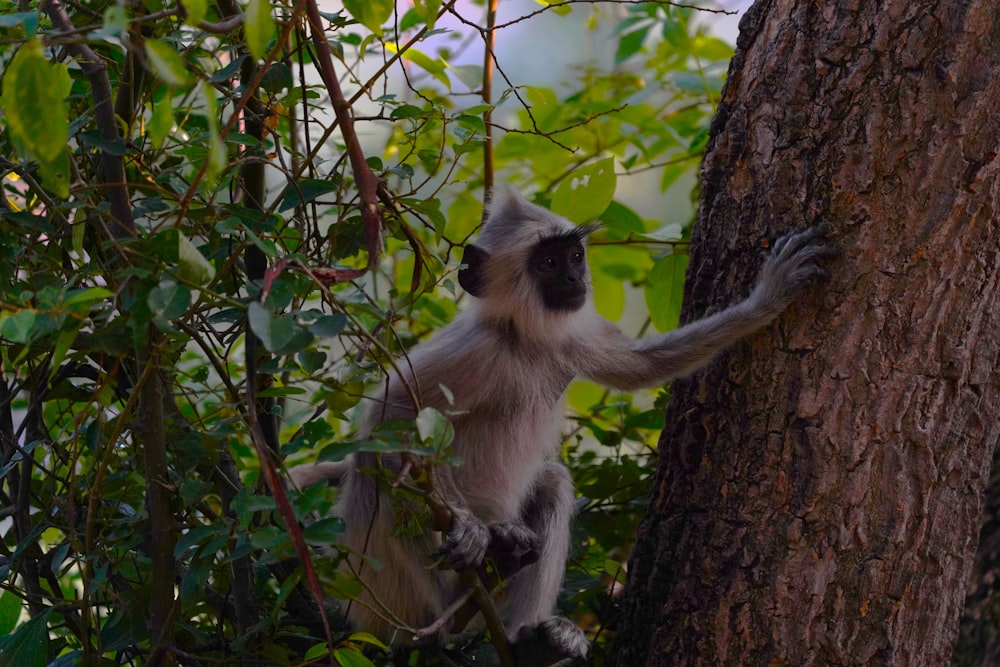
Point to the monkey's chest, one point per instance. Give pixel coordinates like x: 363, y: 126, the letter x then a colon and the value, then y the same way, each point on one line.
x: 503, y: 447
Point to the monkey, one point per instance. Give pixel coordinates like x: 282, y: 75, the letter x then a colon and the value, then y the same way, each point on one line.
x: 500, y: 370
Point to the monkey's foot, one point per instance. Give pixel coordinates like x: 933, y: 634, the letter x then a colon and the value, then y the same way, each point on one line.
x: 555, y: 639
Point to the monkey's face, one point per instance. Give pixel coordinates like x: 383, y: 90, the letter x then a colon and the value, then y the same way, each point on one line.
x: 558, y: 267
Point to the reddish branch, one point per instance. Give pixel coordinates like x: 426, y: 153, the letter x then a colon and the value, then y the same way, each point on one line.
x: 488, y: 36
x: 366, y: 181
x: 269, y: 470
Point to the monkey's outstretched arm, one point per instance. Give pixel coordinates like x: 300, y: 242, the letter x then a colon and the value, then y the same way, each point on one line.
x: 618, y: 361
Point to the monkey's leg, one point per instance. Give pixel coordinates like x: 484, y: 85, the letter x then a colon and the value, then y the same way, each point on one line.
x: 537, y: 637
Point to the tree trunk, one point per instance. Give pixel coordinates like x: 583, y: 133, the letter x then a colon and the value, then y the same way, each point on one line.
x: 979, y: 634
x: 820, y: 489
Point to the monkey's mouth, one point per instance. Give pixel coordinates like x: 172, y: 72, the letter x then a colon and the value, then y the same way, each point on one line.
x: 566, y: 301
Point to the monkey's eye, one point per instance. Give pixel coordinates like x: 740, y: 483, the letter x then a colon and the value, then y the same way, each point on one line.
x: 548, y: 263
x: 576, y: 257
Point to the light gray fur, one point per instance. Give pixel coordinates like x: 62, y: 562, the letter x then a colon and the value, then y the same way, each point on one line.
x: 507, y: 361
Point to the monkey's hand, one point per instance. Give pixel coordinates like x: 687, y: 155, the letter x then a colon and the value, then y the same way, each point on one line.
x: 794, y: 264
x: 512, y: 546
x: 466, y: 542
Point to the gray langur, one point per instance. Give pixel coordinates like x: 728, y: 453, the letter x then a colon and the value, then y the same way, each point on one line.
x: 506, y: 361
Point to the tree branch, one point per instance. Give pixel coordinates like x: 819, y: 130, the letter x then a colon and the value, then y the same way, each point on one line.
x: 365, y: 179
x: 151, y: 440
x: 489, y: 35
x: 112, y: 166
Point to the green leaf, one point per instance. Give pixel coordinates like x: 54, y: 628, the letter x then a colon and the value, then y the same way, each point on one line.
x: 279, y: 334
x: 408, y: 111
x: 609, y: 295
x: 71, y: 659
x: 10, y: 612
x: 620, y: 221
x: 315, y: 652
x: 630, y: 43
x: 35, y: 110
x: 668, y: 232
x: 28, y: 646
x: 277, y: 77
x: 192, y: 267
x: 311, y: 360
x: 305, y: 191
x: 562, y: 9
x: 665, y: 289
x: 169, y: 300
x: 217, y: 157
x: 672, y: 172
x: 328, y: 326
x: 27, y: 20
x: 55, y: 174
x: 712, y: 48
x: 161, y: 121
x: 372, y: 14
x: 434, y: 428
x: 344, y: 396
x: 323, y: 532
x: 167, y: 64
x: 427, y: 10
x: 470, y: 75
x: 90, y: 295
x: 258, y: 27
x: 436, y: 67
x: 351, y: 657
x: 64, y: 340
x: 367, y: 638
x: 587, y: 193
x: 195, y: 11
x: 115, y: 20
x: 17, y: 327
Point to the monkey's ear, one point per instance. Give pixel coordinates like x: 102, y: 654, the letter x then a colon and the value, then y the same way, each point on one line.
x: 473, y: 277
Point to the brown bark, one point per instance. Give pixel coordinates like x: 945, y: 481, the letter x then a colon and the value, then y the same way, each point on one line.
x: 979, y: 635
x: 820, y: 488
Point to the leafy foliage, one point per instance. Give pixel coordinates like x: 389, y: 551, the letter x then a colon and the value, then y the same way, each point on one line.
x: 192, y: 288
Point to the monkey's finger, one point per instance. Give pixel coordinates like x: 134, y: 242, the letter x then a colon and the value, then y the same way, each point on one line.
x: 510, y: 537
x: 792, y: 242
x: 815, y: 253
x: 466, y: 544
x: 811, y: 272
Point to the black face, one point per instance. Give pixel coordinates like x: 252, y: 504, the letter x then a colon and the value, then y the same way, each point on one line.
x: 559, y: 267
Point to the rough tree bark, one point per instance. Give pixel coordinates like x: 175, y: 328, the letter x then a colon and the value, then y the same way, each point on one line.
x: 979, y: 635
x: 820, y: 488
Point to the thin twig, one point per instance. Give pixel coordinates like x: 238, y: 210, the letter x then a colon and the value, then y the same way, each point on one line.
x: 446, y: 615
x: 566, y: 3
